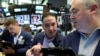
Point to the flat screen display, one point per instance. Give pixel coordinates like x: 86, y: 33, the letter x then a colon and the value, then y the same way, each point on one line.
x: 53, y: 11
x: 39, y: 9
x: 17, y: 10
x: 36, y: 19
x: 7, y: 12
x: 23, y: 19
x: 59, y: 20
x: 20, y: 9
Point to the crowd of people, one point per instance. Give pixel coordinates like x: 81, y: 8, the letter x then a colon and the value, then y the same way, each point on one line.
x: 84, y: 40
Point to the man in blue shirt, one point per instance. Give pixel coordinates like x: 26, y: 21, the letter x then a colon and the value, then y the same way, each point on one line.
x: 49, y: 38
x: 85, y: 14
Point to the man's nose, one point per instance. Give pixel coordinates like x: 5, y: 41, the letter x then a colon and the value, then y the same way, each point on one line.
x: 51, y: 27
x: 72, y: 16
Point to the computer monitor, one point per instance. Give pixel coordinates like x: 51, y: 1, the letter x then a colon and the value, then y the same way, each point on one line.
x: 6, y: 12
x: 59, y: 20
x: 53, y: 11
x: 20, y: 9
x: 36, y: 19
x: 23, y: 19
x: 17, y: 9
x: 39, y: 9
x: 24, y: 9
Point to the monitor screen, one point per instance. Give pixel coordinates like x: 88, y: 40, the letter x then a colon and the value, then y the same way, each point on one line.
x: 7, y: 12
x: 59, y: 19
x: 39, y: 12
x: 36, y: 19
x: 24, y: 9
x: 39, y: 9
x: 53, y: 11
x: 17, y: 9
x: 23, y: 19
x: 20, y: 9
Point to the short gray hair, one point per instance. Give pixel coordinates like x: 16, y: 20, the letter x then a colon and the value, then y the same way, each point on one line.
x: 88, y: 3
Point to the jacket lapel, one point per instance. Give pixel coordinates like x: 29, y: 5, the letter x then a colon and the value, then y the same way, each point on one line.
x: 97, y: 51
x: 75, y: 42
x: 57, y: 39
x: 19, y: 36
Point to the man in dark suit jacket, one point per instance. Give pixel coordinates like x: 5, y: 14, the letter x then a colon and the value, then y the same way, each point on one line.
x: 49, y: 38
x: 39, y: 38
x: 73, y: 41
x: 86, y: 16
x: 21, y: 39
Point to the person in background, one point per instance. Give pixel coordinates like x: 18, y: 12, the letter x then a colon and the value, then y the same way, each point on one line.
x: 40, y: 30
x: 49, y: 38
x: 1, y: 31
x: 27, y: 28
x: 85, y: 14
x: 17, y: 36
x: 1, y: 24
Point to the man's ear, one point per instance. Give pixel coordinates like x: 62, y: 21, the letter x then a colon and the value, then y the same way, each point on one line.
x: 93, y: 8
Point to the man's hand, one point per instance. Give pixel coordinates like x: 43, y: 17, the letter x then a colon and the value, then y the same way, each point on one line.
x: 35, y: 50
x: 9, y: 50
x: 29, y: 52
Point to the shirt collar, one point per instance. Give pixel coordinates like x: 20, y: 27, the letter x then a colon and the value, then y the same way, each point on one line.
x: 18, y: 33
x: 96, y: 31
x: 46, y: 37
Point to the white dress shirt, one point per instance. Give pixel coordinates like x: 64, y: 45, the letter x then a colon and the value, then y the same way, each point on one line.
x: 16, y: 37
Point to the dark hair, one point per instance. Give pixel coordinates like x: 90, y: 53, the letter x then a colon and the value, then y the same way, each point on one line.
x: 48, y: 14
